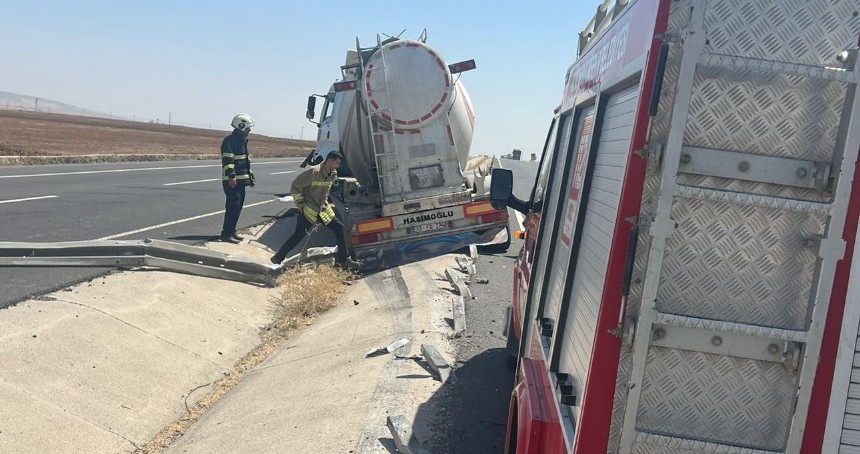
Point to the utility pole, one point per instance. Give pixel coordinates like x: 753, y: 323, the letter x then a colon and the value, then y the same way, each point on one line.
x: 36, y: 108
x: 169, y: 118
x: 302, y: 136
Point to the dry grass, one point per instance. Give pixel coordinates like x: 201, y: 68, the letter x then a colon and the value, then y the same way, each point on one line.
x: 303, y: 293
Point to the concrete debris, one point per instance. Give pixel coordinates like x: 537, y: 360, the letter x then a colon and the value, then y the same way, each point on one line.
x: 460, y: 286
x: 463, y: 263
x: 459, y: 308
x: 390, y: 348
x: 467, y: 265
x: 473, y: 251
x: 436, y: 362
x: 482, y: 280
x: 401, y: 432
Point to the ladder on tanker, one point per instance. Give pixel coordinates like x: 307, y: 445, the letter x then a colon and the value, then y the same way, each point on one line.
x: 383, y: 133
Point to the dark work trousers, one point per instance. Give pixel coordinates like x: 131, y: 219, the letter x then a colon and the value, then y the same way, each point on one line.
x: 235, y: 199
x: 302, y: 227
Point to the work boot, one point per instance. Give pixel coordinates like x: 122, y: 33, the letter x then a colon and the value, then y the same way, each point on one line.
x: 229, y: 239
x: 350, y: 264
x: 236, y: 237
x: 276, y: 260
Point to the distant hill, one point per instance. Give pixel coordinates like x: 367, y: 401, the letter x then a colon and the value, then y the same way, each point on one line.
x: 14, y: 101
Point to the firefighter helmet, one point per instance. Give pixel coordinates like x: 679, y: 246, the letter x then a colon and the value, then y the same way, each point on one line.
x: 242, y: 121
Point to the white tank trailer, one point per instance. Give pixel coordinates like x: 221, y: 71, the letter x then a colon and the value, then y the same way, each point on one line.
x: 404, y: 122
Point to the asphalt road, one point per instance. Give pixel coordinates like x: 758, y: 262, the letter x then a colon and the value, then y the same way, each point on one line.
x: 475, y: 412
x: 177, y: 201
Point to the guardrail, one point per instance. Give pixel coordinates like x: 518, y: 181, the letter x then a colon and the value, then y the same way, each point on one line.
x: 127, y: 254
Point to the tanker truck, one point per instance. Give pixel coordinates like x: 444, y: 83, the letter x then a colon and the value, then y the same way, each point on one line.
x: 403, y: 120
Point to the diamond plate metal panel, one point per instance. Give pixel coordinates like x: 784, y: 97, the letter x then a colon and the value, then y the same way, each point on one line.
x: 798, y: 31
x: 766, y: 114
x: 716, y: 398
x: 660, y: 444
x: 777, y: 203
x: 749, y: 187
x: 742, y: 264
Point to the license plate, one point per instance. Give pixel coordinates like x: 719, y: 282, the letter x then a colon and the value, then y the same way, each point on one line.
x: 428, y: 227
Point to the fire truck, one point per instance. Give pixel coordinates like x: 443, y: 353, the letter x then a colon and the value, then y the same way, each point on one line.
x: 686, y: 283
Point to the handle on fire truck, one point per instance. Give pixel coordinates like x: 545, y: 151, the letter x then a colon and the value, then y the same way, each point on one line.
x: 628, y: 264
x: 620, y: 330
x: 658, y: 79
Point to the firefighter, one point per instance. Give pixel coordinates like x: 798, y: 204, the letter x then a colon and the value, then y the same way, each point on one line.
x: 235, y: 174
x: 310, y: 191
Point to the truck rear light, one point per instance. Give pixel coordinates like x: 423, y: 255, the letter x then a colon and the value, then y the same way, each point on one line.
x: 519, y: 234
x: 364, y: 239
x: 478, y: 209
x: 344, y: 86
x: 374, y: 226
x: 462, y: 66
x: 493, y: 217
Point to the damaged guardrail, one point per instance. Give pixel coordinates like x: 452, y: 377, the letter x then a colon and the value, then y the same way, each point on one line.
x: 127, y: 254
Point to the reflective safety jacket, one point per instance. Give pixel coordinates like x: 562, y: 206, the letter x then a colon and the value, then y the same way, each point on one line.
x: 235, y: 161
x: 311, y: 189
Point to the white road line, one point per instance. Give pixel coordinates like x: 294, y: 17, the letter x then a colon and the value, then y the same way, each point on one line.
x: 189, y: 182
x: 28, y: 198
x: 179, y: 221
x: 143, y: 169
x: 281, y: 173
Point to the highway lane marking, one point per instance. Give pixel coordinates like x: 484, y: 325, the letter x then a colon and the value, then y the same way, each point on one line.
x: 189, y: 182
x: 28, y: 199
x: 281, y: 173
x: 143, y: 169
x: 178, y: 221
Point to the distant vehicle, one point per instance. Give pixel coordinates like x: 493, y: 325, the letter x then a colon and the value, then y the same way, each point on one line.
x: 686, y: 281
x: 404, y: 121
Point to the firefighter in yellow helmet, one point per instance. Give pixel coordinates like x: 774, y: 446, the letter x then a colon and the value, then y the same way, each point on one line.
x: 310, y: 191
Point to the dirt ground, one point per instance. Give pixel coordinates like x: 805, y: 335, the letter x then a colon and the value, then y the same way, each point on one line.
x: 32, y: 138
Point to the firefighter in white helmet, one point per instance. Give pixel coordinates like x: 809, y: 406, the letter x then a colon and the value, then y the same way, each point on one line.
x: 235, y: 174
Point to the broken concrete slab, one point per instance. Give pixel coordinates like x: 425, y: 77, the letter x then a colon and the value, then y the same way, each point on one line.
x: 463, y: 263
x: 459, y: 308
x: 390, y: 348
x: 436, y: 361
x: 460, y: 286
x: 401, y: 432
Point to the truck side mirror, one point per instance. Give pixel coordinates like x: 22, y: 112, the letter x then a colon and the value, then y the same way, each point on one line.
x: 501, y: 188
x: 312, y: 102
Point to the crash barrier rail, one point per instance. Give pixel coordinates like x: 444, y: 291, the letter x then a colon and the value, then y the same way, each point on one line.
x: 126, y: 254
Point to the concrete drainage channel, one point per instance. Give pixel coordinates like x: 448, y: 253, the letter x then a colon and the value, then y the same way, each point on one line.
x: 405, y: 439
x: 402, y: 309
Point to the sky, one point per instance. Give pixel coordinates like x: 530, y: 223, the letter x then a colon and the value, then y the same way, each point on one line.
x: 200, y: 62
